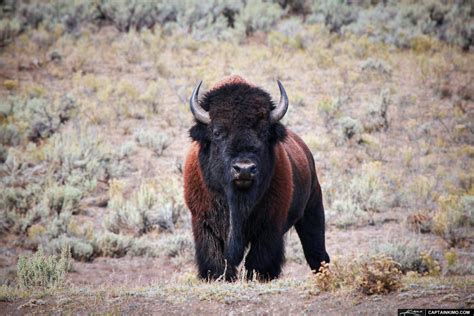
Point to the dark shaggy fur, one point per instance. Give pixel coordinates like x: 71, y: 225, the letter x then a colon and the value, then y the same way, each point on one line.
x: 285, y: 192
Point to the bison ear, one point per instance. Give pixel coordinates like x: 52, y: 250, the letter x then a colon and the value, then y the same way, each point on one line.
x: 199, y: 133
x: 278, y: 133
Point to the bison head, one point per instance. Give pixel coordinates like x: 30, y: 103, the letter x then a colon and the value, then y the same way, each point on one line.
x: 237, y: 127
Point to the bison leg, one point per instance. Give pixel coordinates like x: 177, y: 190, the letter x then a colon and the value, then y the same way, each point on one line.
x: 266, y: 256
x: 210, y: 253
x: 310, y: 229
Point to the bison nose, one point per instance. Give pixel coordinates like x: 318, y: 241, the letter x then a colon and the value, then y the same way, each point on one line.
x: 245, y: 170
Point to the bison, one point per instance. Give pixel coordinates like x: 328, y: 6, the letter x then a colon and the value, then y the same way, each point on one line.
x: 247, y: 181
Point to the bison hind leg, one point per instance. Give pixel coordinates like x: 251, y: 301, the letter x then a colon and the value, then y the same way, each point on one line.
x: 311, y: 231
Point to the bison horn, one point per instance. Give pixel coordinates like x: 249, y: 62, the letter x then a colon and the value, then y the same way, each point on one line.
x: 278, y: 113
x: 199, y: 113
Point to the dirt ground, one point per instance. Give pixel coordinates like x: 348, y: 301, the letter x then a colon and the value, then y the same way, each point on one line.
x: 162, y: 286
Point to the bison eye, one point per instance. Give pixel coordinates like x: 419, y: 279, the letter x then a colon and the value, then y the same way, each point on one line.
x: 218, y: 134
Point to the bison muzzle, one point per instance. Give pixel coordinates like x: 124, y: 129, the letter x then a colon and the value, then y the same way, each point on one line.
x: 247, y: 181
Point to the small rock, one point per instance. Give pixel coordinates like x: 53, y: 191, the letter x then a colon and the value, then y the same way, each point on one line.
x: 376, y: 298
x: 32, y: 303
x: 64, y: 301
x: 55, y: 56
x: 450, y: 298
x: 470, y: 299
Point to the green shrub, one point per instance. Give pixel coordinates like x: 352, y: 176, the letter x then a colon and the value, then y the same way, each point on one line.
x: 43, y: 271
x: 349, y: 128
x: 78, y: 159
x: 127, y: 218
x: 175, y: 245
x: 19, y: 200
x: 81, y: 158
x: 127, y: 149
x: 376, y: 118
x: 330, y: 110
x: 289, y: 33
x: 113, y: 245
x: 363, y: 197
x: 143, y: 247
x: 136, y: 14
x: 367, y: 188
x: 146, y: 211
x: 459, y: 26
x: 169, y: 246
x: 334, y: 14
x: 404, y: 24
x: 69, y: 15
x: 295, y: 6
x: 132, y: 216
x: 258, y: 16
x: 7, y: 8
x: 62, y: 198
x: 210, y: 19
x: 433, y: 267
x: 9, y: 29
x: 57, y: 225
x: 37, y: 117
x: 157, y: 142
x: 9, y: 135
x: 410, y: 24
x: 164, y: 215
x: 81, y: 250
x: 406, y: 253
x: 454, y: 218
x: 6, y: 222
x: 377, y: 65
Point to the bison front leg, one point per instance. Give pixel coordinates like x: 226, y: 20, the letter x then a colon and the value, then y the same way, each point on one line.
x: 266, y: 256
x: 209, y: 254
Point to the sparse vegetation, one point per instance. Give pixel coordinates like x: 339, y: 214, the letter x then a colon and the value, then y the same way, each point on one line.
x: 44, y: 271
x: 157, y: 142
x: 336, y: 275
x: 409, y: 27
x: 379, y: 276
x: 94, y: 129
x: 454, y: 219
x: 114, y: 245
x: 146, y: 211
x: 406, y: 253
x: 364, y: 196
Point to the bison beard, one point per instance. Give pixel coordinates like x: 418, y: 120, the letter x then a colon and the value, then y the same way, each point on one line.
x: 247, y: 181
